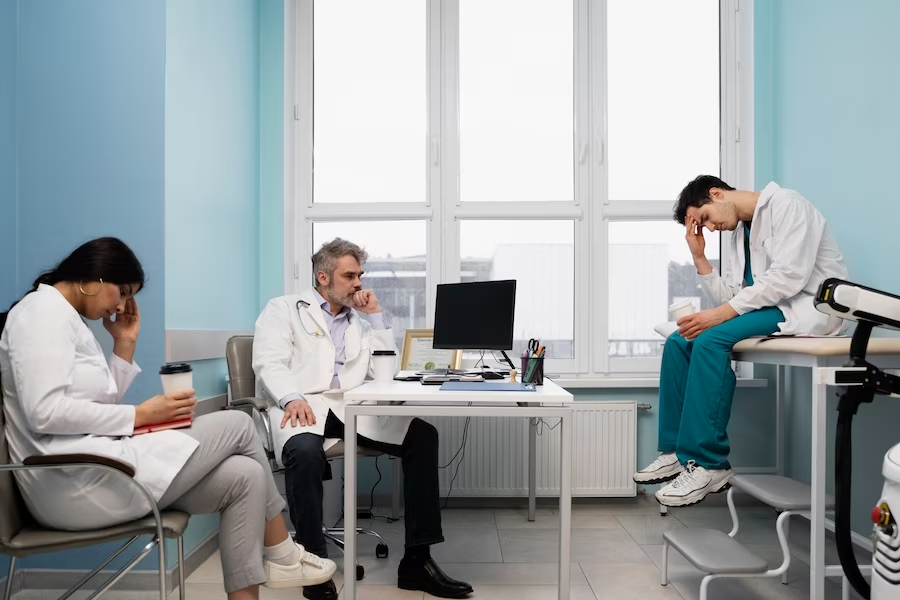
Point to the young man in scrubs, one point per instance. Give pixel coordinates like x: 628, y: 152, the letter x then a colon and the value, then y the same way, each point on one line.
x: 778, y: 250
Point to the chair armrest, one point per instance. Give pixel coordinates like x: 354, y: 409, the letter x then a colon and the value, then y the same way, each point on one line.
x: 258, y: 403
x: 72, y: 459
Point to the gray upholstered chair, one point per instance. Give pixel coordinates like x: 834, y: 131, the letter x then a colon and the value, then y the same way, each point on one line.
x: 242, y: 380
x: 21, y: 535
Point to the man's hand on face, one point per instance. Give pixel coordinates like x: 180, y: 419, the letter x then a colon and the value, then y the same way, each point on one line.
x: 365, y: 302
x: 694, y: 236
x: 298, y: 411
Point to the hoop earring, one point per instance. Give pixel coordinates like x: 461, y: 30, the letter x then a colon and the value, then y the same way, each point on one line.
x: 81, y: 287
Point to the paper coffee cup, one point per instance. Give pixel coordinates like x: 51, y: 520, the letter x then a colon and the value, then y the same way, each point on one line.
x: 385, y: 362
x: 176, y: 377
x: 681, y: 309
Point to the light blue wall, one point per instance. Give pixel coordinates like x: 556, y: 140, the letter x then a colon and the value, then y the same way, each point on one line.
x: 271, y: 150
x: 830, y: 67
x: 212, y: 171
x: 212, y: 179
x: 89, y: 150
x: 8, y: 41
x: 90, y: 143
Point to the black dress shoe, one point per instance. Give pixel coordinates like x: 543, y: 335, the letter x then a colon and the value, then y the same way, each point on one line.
x: 323, y: 591
x: 428, y: 577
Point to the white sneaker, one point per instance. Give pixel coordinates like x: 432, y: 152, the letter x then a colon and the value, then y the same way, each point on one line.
x: 310, y: 570
x: 693, y: 485
x: 664, y: 468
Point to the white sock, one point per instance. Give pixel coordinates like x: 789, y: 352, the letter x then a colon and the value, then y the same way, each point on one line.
x: 286, y: 553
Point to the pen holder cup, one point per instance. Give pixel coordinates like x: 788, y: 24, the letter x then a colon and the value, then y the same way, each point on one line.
x: 533, y: 370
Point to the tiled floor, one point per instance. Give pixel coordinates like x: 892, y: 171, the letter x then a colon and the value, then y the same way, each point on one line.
x: 616, y: 552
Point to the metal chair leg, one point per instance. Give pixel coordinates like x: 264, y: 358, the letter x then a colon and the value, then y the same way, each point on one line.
x: 704, y: 585
x: 181, y: 591
x: 337, y: 541
x: 161, y: 548
x: 98, y: 568
x: 664, y: 571
x: 9, y: 578
x: 787, y: 535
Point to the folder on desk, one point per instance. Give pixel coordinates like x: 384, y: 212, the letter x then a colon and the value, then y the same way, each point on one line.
x: 485, y: 386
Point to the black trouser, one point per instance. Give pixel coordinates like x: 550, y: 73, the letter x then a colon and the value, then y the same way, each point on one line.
x: 306, y: 468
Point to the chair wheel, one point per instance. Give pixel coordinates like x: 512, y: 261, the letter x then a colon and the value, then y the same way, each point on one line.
x: 381, y: 551
x: 360, y: 572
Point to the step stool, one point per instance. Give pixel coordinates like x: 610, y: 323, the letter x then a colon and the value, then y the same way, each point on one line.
x: 719, y: 554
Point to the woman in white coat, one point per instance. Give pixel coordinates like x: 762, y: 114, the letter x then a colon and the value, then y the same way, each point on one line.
x: 779, y: 250
x: 60, y: 396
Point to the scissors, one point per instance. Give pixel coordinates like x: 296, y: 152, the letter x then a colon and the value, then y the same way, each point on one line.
x: 533, y: 346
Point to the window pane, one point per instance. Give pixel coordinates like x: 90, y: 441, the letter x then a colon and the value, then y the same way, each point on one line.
x: 369, y: 98
x: 663, y: 95
x: 540, y: 256
x: 516, y: 97
x: 650, y: 267
x: 395, y: 269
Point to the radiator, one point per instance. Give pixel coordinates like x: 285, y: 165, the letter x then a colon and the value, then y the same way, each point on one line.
x: 494, y: 461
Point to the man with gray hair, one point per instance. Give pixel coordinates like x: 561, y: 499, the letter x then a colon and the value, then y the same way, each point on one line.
x: 308, y: 350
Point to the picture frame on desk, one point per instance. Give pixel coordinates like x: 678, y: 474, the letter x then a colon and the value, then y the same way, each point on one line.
x: 418, y: 353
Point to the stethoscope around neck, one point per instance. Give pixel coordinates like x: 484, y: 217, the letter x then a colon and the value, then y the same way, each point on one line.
x: 301, y: 304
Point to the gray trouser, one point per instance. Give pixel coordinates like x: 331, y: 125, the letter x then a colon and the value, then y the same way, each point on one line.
x: 229, y: 474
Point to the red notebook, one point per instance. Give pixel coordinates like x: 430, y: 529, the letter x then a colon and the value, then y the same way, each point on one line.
x: 163, y: 426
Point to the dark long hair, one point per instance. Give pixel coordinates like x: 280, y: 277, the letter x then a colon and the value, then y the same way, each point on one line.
x: 108, y: 258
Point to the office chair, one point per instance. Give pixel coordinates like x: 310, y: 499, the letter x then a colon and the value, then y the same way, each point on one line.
x: 21, y: 535
x: 239, y: 358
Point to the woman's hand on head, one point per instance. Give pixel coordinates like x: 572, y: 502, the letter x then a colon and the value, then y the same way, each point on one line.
x: 127, y: 325
x: 165, y: 408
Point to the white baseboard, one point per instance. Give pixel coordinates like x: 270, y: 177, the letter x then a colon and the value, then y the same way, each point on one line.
x: 185, y: 345
x: 856, y: 538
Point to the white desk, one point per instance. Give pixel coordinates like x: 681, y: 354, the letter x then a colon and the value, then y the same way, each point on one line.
x: 816, y: 354
x: 429, y: 401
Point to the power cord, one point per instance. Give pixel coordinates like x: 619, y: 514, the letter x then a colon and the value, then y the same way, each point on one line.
x: 540, y: 423
x: 462, y: 445
x: 462, y: 449
x: 372, y: 498
x: 372, y: 493
x: 371, y: 510
x: 481, y: 360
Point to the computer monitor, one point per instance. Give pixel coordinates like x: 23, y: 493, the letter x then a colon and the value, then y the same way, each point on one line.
x: 475, y: 316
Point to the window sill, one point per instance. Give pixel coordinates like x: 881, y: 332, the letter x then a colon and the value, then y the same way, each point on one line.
x: 636, y: 382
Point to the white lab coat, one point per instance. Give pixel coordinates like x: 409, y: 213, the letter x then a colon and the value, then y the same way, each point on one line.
x: 61, y: 397
x: 293, y: 353
x: 792, y: 252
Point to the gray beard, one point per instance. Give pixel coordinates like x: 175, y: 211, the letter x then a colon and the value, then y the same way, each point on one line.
x: 333, y: 297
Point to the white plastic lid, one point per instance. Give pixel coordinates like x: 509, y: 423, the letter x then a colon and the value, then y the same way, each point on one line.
x: 679, y: 304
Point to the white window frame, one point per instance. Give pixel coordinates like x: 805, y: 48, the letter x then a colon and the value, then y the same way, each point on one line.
x: 591, y: 210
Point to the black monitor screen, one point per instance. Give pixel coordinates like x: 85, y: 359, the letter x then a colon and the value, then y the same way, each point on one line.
x: 475, y: 316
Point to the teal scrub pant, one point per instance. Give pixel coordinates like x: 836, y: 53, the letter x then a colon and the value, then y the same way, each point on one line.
x: 696, y: 388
